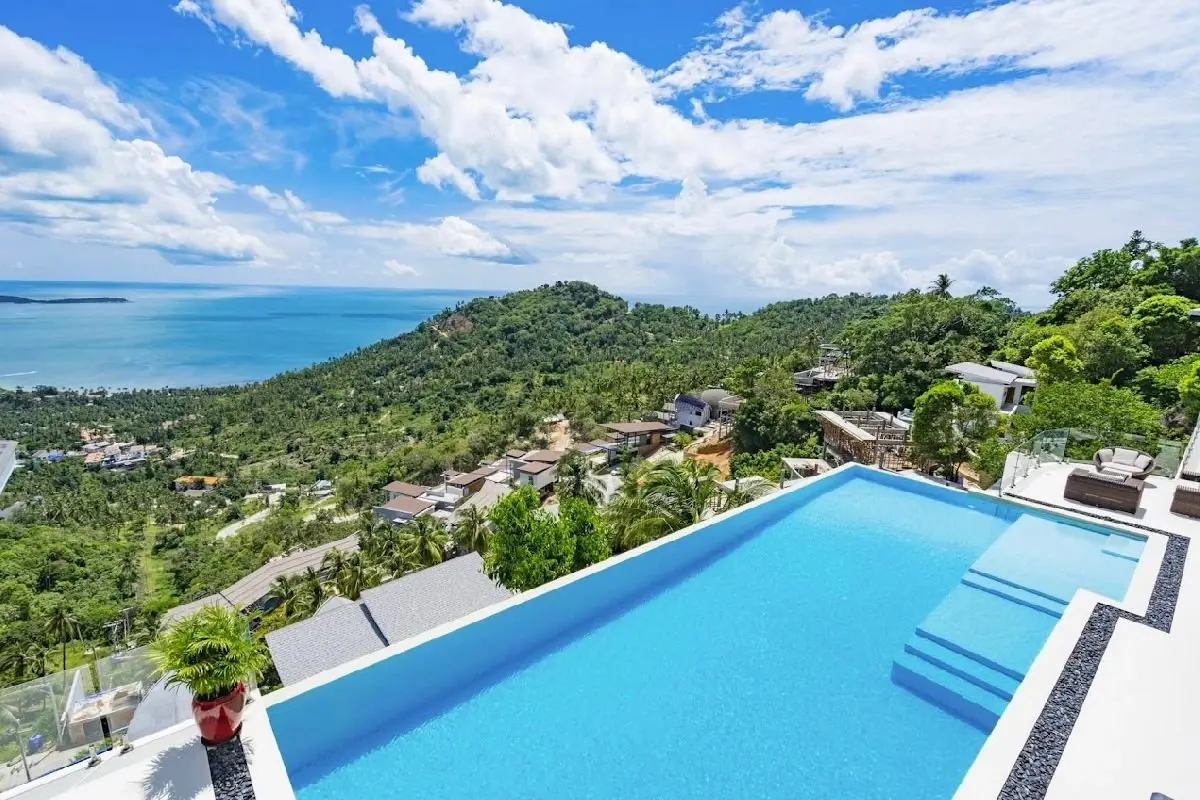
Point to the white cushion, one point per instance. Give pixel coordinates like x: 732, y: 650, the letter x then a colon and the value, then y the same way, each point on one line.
x: 1123, y: 455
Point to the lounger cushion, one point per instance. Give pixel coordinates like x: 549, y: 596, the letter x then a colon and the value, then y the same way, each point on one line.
x: 1123, y: 456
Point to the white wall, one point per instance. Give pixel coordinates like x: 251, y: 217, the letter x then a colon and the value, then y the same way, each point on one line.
x: 8, y: 461
x: 995, y: 390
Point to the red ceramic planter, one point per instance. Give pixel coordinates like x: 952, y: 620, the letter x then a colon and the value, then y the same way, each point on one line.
x: 220, y: 720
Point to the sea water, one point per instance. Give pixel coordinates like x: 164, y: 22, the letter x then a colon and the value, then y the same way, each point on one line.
x: 194, y: 335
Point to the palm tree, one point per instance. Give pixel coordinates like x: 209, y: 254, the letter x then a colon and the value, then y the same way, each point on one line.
x: 354, y: 577
x: 575, y: 478
x: 425, y: 538
x: 62, y: 626
x: 472, y: 531
x: 687, y: 490
x: 312, y: 591
x: 334, y: 563
x: 940, y: 287
x: 742, y: 493
x: 657, y: 499
x: 285, y: 592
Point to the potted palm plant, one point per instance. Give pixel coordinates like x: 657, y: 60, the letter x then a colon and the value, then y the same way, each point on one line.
x: 213, y: 655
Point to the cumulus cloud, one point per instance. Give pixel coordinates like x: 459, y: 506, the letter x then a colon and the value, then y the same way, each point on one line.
x: 843, y: 65
x: 292, y: 207
x: 72, y: 166
x: 403, y: 270
x: 1076, y: 127
x: 451, y: 236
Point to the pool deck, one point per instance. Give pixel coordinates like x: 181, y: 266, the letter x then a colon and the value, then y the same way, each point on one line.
x: 1136, y: 732
x: 1045, y: 486
x: 1137, y: 728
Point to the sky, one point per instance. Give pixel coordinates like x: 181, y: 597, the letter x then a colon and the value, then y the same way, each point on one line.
x: 690, y: 148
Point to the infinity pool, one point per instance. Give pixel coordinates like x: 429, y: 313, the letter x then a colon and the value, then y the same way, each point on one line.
x: 778, y: 663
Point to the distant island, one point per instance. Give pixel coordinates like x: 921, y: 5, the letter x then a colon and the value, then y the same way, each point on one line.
x: 6, y: 298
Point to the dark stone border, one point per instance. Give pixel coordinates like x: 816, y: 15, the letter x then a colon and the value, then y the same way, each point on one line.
x: 1035, y: 765
x: 229, y: 770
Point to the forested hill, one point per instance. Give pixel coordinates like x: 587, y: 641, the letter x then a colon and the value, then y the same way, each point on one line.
x: 469, y: 380
x: 462, y: 385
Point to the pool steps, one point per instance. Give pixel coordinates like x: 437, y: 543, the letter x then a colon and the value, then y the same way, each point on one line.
x: 969, y: 655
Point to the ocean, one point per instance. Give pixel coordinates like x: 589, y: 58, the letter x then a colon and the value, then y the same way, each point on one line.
x: 194, y: 335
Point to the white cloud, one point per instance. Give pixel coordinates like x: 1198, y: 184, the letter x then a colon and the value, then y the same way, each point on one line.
x: 403, y: 270
x: 67, y: 171
x: 452, y: 236
x: 1078, y: 128
x: 843, y: 65
x: 291, y: 206
x: 440, y: 170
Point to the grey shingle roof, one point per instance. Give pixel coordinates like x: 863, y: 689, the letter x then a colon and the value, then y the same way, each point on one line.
x: 423, y: 600
x: 332, y: 637
x: 187, y: 609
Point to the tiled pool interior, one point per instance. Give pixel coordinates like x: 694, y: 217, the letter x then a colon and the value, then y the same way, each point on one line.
x: 855, y: 639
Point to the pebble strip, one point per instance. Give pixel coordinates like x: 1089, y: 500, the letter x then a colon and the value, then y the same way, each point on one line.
x: 230, y: 774
x: 1035, y: 765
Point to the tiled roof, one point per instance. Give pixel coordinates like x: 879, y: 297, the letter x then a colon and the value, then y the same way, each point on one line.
x: 406, y: 489
x: 515, y: 453
x: 634, y: 428
x: 408, y: 505
x: 423, y: 600
x: 329, y: 638
x: 536, y: 468
x: 545, y: 456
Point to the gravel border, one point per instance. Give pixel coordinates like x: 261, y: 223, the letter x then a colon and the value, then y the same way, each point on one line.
x: 1035, y: 765
x: 229, y: 771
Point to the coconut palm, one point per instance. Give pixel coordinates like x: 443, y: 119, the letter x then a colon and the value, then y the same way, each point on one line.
x: 471, y: 532
x: 354, y: 577
x: 425, y: 538
x: 574, y: 478
x: 62, y: 627
x: 634, y: 519
x: 312, y: 591
x: 687, y: 490
x: 743, y: 492
x: 940, y: 287
x: 334, y: 563
x: 285, y: 594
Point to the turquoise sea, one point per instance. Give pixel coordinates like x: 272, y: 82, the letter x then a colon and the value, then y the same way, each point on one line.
x: 194, y: 335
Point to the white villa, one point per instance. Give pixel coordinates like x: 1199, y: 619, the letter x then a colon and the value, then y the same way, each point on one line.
x: 1008, y: 384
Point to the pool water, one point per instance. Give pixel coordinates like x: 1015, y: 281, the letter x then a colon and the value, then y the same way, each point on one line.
x: 767, y: 672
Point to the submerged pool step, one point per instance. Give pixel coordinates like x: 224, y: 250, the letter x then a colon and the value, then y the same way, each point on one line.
x: 949, y: 692
x: 1123, y: 547
x: 1017, y: 594
x: 962, y: 667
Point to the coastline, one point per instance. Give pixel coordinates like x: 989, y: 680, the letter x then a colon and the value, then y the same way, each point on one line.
x: 196, y: 337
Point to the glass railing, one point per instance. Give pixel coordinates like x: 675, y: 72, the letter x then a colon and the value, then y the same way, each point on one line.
x: 1079, y: 445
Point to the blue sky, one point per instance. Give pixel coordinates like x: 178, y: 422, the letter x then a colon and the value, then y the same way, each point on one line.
x: 676, y: 147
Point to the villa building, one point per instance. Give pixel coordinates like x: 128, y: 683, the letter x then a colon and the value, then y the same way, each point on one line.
x: 1008, y: 384
x: 642, y: 437
x: 8, y: 461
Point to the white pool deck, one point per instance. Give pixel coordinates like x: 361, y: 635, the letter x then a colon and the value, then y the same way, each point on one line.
x: 1138, y: 731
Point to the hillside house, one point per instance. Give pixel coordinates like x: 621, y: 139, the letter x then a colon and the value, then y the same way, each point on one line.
x: 401, y: 489
x: 537, y: 474
x: 641, y: 437
x: 1008, y: 384
x: 690, y: 412
x: 403, y: 509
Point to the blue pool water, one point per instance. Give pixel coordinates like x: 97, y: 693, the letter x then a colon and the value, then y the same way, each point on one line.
x: 769, y: 671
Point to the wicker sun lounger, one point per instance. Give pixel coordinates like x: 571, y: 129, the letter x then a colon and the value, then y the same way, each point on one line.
x: 1186, y: 500
x: 1104, y: 490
